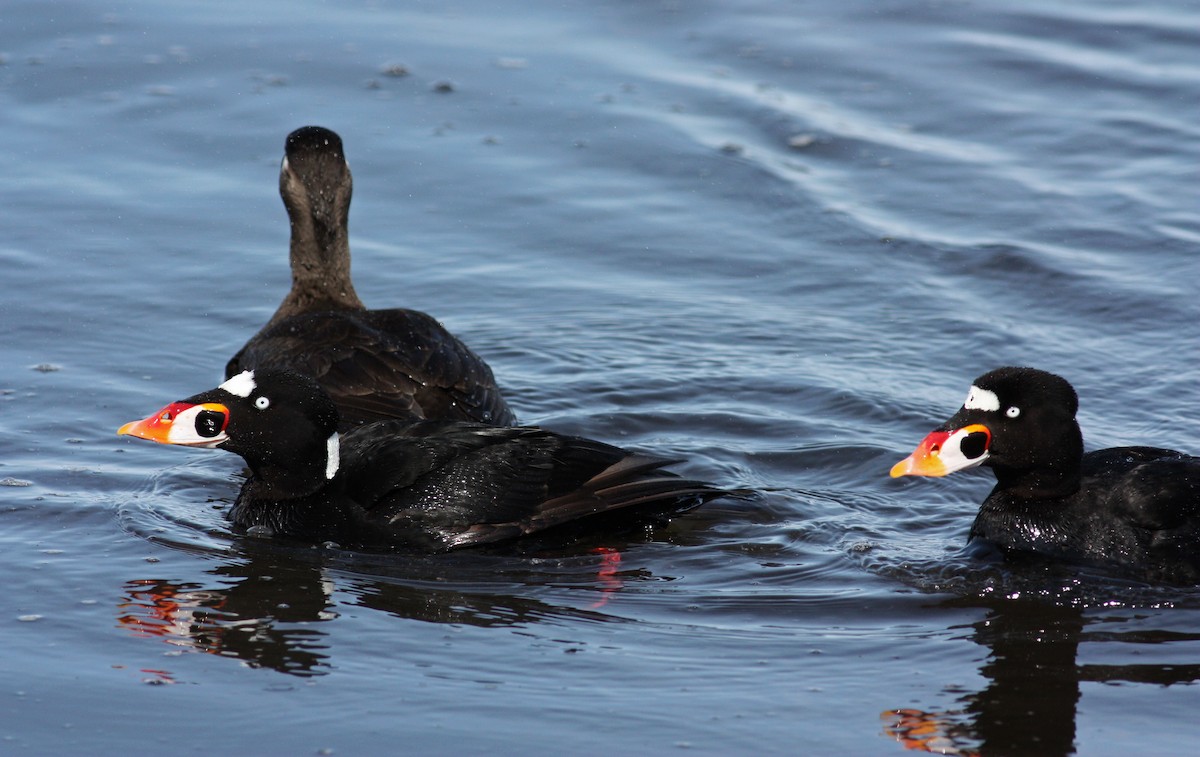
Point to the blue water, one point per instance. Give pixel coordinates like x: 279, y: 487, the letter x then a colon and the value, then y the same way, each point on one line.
x: 775, y: 239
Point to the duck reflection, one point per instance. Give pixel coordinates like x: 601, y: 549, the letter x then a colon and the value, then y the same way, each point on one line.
x: 262, y: 613
x: 1029, y: 703
x: 267, y: 608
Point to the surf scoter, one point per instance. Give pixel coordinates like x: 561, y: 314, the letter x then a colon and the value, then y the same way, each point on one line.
x: 375, y: 364
x: 1135, y: 510
x: 424, y: 485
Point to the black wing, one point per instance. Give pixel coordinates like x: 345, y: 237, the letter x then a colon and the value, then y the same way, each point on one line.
x: 465, y: 484
x: 1155, y: 497
x: 1151, y: 488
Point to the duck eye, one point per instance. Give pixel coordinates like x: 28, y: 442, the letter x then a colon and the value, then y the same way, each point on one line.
x: 262, y: 403
x: 1013, y: 411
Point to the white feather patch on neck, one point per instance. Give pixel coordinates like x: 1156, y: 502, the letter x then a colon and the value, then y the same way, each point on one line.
x: 241, y: 385
x: 981, y: 399
x: 332, y: 451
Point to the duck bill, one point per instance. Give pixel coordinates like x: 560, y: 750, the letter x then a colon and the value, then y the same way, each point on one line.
x: 944, y: 452
x: 184, y: 424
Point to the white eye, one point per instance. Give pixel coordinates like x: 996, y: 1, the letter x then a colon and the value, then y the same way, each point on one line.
x: 1013, y: 411
x: 262, y: 403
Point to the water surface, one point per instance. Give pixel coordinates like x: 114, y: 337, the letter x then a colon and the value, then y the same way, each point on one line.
x: 775, y: 239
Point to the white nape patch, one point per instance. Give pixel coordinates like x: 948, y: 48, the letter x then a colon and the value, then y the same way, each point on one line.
x: 981, y: 399
x: 241, y: 385
x: 283, y: 166
x: 332, y: 452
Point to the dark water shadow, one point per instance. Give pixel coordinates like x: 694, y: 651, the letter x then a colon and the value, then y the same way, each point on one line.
x: 1029, y: 705
x: 267, y: 603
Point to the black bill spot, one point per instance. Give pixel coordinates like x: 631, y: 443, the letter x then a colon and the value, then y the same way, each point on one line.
x: 974, y: 445
x: 209, y: 423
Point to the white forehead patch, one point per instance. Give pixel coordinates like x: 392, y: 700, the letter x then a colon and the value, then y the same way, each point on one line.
x: 981, y: 399
x: 241, y: 385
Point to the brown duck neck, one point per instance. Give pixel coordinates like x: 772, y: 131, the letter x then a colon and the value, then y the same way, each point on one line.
x: 320, y: 260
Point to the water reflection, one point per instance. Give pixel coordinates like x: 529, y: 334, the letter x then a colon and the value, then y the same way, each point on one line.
x: 259, y: 613
x: 1029, y: 704
x: 267, y: 607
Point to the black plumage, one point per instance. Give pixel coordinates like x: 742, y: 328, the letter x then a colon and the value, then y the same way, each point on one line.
x: 375, y: 364
x: 428, y: 485
x: 1132, y: 510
